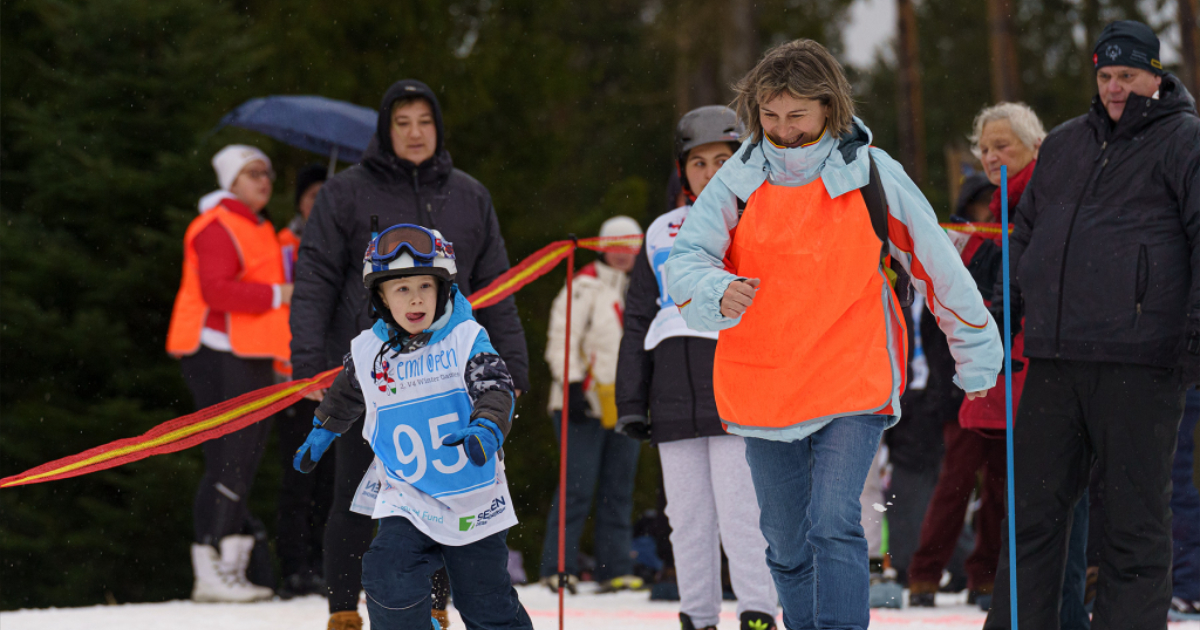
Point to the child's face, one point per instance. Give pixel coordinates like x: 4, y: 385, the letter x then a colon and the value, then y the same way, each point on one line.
x: 703, y: 162
x: 412, y: 301
x: 791, y: 122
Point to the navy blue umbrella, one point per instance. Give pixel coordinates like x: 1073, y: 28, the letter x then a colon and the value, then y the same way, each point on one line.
x: 338, y: 129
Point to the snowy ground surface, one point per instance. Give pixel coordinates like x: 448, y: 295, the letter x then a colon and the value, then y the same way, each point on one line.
x: 626, y: 611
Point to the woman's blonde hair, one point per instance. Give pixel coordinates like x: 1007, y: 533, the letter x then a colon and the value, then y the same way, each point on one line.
x: 1021, y: 118
x: 804, y: 69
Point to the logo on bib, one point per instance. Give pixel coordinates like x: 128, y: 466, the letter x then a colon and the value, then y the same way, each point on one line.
x: 383, y: 380
x: 466, y: 523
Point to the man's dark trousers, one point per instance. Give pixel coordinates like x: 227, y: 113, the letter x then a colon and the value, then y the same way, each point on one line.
x: 1124, y: 417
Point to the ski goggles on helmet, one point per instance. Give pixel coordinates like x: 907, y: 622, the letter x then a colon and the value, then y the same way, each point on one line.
x: 419, y: 242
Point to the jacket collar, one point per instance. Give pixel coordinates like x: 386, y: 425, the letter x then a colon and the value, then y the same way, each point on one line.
x: 1140, y: 111
x: 841, y: 170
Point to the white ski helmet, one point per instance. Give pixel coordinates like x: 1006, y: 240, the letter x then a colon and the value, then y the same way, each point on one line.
x: 408, y: 250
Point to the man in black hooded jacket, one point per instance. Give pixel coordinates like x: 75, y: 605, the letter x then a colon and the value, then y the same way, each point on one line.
x: 1106, y: 258
x: 330, y: 305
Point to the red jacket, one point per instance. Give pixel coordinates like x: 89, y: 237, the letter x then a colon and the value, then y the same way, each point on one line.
x: 988, y: 413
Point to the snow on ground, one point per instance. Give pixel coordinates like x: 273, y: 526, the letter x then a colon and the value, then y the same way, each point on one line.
x: 626, y: 611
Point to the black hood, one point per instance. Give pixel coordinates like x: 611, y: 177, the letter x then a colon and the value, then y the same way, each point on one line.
x: 379, y: 155
x: 1141, y: 112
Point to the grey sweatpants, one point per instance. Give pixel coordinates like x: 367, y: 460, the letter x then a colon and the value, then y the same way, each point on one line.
x: 711, y: 503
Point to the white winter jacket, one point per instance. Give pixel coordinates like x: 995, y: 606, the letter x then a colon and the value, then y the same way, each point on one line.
x: 597, y: 309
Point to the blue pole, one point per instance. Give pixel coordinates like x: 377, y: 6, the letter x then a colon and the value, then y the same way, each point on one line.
x: 1008, y: 404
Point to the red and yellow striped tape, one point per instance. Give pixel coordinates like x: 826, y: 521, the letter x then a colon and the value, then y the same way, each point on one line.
x: 234, y: 414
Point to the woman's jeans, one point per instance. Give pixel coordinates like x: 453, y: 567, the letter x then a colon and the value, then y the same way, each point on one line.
x: 808, y: 491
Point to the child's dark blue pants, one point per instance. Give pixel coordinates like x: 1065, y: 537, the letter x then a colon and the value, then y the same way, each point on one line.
x: 397, y: 568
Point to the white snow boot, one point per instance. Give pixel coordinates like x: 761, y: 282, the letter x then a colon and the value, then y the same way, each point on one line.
x: 218, y: 578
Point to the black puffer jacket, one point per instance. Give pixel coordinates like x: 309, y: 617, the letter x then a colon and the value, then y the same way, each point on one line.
x: 330, y: 304
x: 673, y: 383
x: 1106, y: 246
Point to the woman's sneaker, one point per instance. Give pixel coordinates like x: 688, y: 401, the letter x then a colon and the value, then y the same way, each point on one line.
x: 622, y: 583
x: 757, y: 621
x: 685, y: 623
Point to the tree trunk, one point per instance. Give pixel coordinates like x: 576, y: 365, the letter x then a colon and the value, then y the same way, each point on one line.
x: 1189, y: 45
x: 1005, y: 79
x: 911, y: 108
x: 739, y: 44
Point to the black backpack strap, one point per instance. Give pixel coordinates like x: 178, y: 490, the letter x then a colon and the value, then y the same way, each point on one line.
x: 876, y: 202
x: 877, y: 206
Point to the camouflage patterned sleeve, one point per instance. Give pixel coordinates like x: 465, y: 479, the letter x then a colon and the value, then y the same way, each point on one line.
x: 491, y: 389
x: 343, y: 404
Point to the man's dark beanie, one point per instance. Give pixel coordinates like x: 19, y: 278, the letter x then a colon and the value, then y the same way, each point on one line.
x: 309, y: 175
x: 1127, y: 43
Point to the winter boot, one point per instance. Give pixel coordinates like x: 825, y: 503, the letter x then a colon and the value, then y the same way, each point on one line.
x: 345, y: 620
x: 215, y: 584
x: 757, y: 621
x: 442, y: 617
x: 551, y: 582
x: 685, y: 623
x: 622, y: 583
x: 922, y: 594
x: 235, y: 558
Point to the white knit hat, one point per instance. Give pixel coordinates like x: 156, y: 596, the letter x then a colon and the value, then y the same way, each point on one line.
x: 620, y: 225
x: 230, y: 161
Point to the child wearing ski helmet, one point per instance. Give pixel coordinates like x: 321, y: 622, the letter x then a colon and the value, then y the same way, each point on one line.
x: 782, y: 254
x: 665, y: 395
x: 437, y: 403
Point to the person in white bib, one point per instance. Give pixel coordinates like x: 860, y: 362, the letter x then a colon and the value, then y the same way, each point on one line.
x: 437, y: 402
x: 665, y: 395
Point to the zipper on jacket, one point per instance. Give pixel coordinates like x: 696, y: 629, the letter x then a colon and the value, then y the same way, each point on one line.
x: 1141, y: 282
x: 1062, y: 273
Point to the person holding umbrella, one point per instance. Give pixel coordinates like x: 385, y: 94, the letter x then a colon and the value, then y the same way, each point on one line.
x: 406, y: 176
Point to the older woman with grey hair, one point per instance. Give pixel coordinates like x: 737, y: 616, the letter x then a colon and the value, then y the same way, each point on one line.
x: 1006, y: 134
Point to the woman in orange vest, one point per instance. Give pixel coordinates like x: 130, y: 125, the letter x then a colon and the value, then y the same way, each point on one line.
x: 779, y: 253
x: 230, y: 322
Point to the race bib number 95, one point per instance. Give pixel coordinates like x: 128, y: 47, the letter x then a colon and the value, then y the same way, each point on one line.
x: 408, y: 440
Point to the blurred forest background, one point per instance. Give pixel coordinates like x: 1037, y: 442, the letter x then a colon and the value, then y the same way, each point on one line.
x: 563, y: 109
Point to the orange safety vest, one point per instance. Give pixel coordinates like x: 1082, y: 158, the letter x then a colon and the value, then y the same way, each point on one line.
x: 252, y: 335
x: 815, y: 343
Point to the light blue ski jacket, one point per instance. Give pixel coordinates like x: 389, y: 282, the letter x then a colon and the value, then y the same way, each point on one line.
x: 696, y: 276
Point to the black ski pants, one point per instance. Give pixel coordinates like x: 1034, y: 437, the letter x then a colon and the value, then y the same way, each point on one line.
x: 1124, y: 418
x: 304, y: 499
x: 231, y: 461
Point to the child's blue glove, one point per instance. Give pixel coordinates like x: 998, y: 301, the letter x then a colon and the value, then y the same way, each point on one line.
x: 313, y: 448
x: 481, y: 440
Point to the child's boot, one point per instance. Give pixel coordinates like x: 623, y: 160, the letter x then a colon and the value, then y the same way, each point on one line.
x: 345, y: 620
x: 213, y: 583
x: 757, y: 621
x: 442, y: 618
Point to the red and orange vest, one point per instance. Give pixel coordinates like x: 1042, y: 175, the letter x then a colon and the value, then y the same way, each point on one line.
x: 251, y: 335
x: 825, y: 336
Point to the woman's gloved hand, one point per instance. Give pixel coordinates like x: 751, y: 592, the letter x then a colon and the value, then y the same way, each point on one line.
x: 481, y: 439
x: 314, y: 447
x: 636, y: 427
